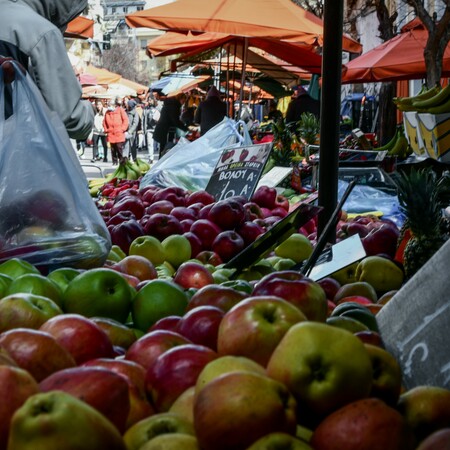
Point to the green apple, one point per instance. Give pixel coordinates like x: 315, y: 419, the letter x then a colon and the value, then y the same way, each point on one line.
x: 347, y: 323
x: 33, y: 283
x: 119, y: 334
x: 177, y: 249
x: 279, y: 441
x: 383, y: 274
x: 387, y: 375
x: 116, y: 254
x: 5, y: 281
x: 159, y: 424
x: 172, y: 441
x: 426, y: 409
x: 26, y: 311
x: 56, y: 420
x: 296, y: 247
x: 284, y: 264
x: 313, y: 361
x: 150, y: 247
x: 236, y: 409
x: 226, y: 364
x: 346, y: 275
x: 99, y: 292
x: 184, y: 404
x: 63, y: 276
x: 16, y: 267
x: 157, y: 299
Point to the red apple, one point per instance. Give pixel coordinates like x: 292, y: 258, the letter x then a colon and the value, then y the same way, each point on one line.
x: 173, y: 194
x: 183, y: 212
x: 253, y: 211
x: 255, y: 326
x: 196, y: 243
x: 131, y: 203
x: 204, y: 212
x: 175, y: 371
x: 201, y: 325
x: 284, y: 274
x: 169, y: 323
x: 216, y: 295
x: 356, y: 299
x: 186, y: 225
x: 209, y: 257
x: 206, y: 231
x: 370, y: 337
x: 265, y: 197
x: 305, y: 294
x: 249, y: 231
x: 363, y: 424
x: 134, y: 374
x: 100, y: 388
x: 228, y: 244
x: 381, y: 240
x: 228, y: 214
x: 330, y: 286
x: 200, y: 197
x: 279, y: 211
x: 137, y: 266
x: 162, y: 207
x: 146, y: 349
x: 120, y: 217
x: 191, y: 274
x: 282, y: 202
x: 82, y: 337
x: 16, y: 385
x: 162, y: 225
x: 36, y: 351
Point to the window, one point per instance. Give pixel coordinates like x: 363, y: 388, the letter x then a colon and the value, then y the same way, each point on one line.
x: 125, y: 9
x: 140, y: 8
x: 143, y: 43
x: 113, y: 10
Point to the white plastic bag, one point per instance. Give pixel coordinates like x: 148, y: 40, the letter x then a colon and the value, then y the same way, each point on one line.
x: 47, y: 216
x: 190, y: 164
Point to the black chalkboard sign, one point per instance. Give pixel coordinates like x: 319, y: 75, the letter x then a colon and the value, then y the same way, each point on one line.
x: 238, y: 171
x: 415, y: 324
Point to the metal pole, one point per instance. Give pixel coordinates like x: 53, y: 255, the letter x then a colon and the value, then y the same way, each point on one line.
x: 330, y: 111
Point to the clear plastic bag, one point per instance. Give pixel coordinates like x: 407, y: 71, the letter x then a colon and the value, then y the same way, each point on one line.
x: 190, y: 164
x: 47, y: 216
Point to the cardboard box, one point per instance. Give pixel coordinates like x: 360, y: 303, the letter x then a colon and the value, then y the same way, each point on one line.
x: 435, y: 131
x: 413, y: 133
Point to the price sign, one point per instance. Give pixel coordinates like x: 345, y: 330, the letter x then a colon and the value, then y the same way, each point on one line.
x: 414, y: 324
x: 238, y: 171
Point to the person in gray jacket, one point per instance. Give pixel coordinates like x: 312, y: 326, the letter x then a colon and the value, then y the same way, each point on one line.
x: 31, y: 32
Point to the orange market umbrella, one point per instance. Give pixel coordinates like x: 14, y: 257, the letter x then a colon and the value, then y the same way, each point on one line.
x: 81, y: 28
x: 103, y: 76
x: 400, y: 58
x: 279, y: 19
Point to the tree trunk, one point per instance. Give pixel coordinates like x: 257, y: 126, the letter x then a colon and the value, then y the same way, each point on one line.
x: 387, y: 112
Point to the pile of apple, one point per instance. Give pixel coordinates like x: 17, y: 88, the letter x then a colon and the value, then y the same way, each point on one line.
x: 119, y: 357
x: 224, y: 227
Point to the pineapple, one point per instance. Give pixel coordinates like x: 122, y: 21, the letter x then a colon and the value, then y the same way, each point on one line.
x: 308, y: 128
x: 283, y: 150
x: 422, y: 199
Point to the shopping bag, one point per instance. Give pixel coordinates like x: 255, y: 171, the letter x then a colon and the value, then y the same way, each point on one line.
x: 190, y: 164
x: 47, y: 216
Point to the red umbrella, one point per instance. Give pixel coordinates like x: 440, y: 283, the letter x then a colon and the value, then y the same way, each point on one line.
x: 81, y: 28
x: 400, y: 58
x: 278, y: 19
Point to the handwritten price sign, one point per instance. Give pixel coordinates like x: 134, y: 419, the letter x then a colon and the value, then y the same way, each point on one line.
x: 238, y: 171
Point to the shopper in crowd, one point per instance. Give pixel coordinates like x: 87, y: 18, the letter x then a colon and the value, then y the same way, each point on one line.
x: 244, y: 113
x: 115, y: 125
x: 210, y: 111
x: 169, y: 121
x: 31, y: 33
x: 150, y: 118
x: 131, y: 134
x: 275, y: 115
x: 99, y: 134
x: 81, y: 147
x: 301, y: 102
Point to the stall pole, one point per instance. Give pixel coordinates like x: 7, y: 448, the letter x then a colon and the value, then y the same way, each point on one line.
x: 330, y: 109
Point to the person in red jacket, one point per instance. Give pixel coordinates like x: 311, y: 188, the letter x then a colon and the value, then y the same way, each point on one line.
x: 115, y: 124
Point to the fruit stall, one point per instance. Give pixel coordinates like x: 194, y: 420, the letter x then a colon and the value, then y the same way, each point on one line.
x: 205, y: 321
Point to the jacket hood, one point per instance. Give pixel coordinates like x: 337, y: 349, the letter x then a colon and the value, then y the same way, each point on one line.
x: 58, y: 12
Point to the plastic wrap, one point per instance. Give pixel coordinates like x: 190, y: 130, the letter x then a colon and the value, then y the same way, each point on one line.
x: 47, y: 216
x: 190, y: 164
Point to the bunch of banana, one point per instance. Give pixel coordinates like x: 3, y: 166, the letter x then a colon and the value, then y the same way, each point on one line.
x: 437, y: 104
x: 397, y: 146
x: 95, y: 184
x: 407, y: 103
x: 143, y: 166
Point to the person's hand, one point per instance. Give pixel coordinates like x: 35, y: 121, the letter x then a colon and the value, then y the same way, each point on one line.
x: 8, y: 68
